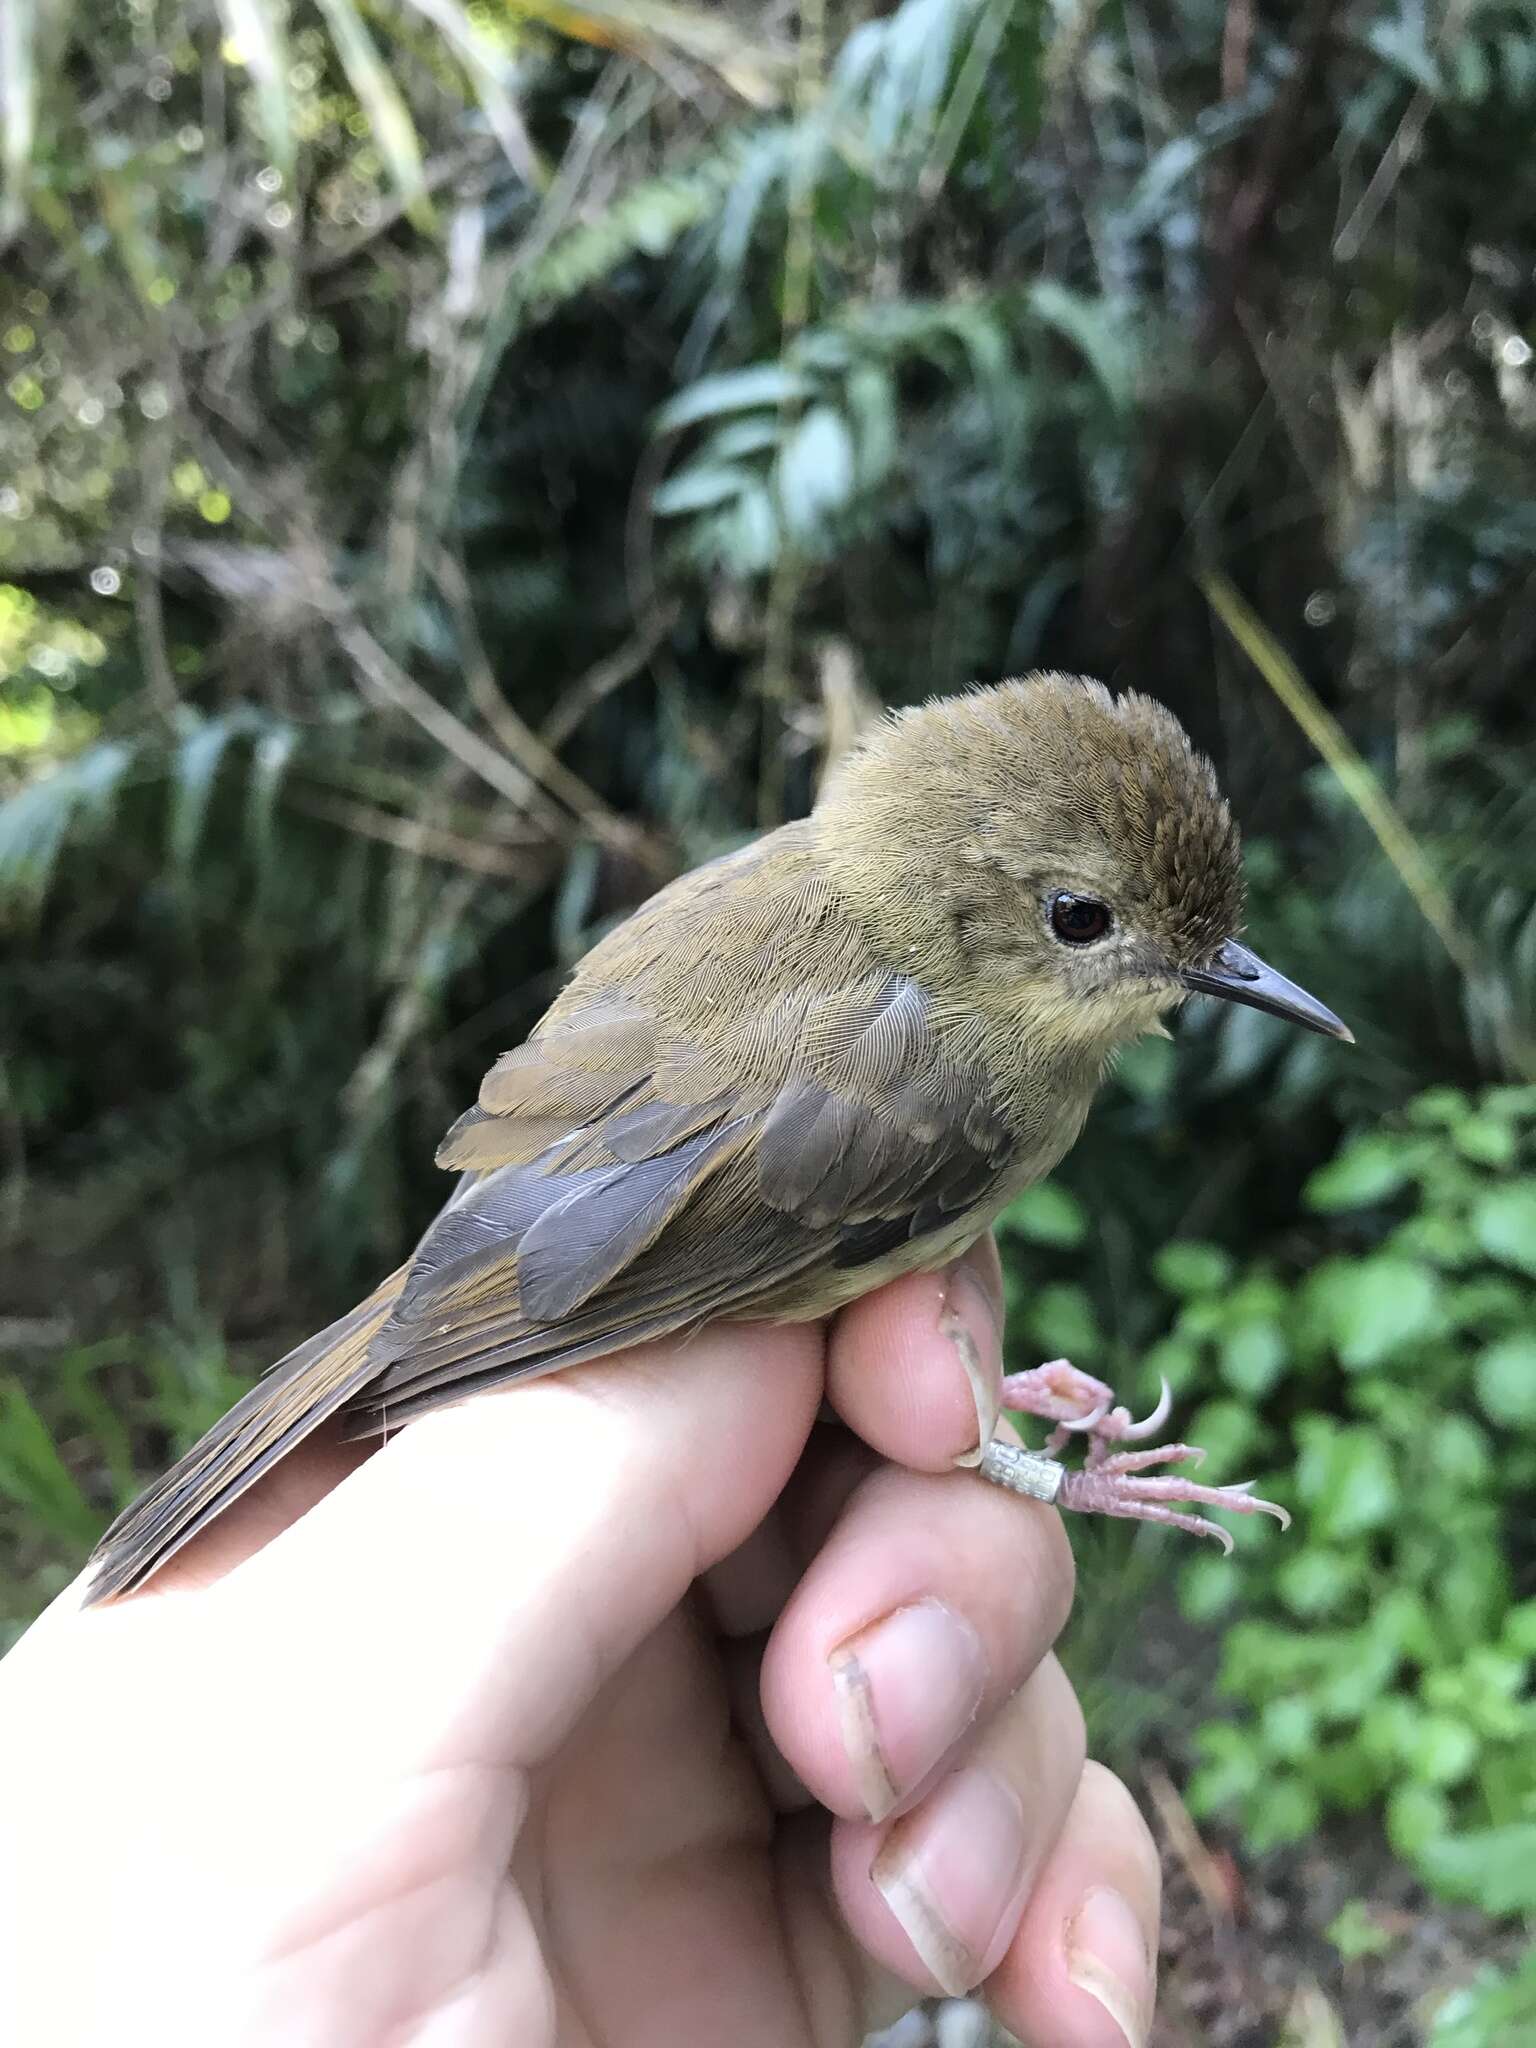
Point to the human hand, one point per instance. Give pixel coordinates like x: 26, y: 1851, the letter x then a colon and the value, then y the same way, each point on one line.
x: 526, y: 1729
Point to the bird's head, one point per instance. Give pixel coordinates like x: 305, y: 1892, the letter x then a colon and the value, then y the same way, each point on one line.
x: 1044, y: 855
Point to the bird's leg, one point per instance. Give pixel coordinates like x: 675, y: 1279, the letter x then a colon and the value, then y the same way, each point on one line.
x: 1110, y: 1482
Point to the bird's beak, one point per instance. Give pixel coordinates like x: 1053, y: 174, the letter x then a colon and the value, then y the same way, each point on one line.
x: 1239, y: 976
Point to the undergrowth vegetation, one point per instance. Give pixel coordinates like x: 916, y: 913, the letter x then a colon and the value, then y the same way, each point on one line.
x: 460, y: 465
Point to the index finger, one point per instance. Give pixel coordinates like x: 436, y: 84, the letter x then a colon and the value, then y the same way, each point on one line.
x: 899, y: 1362
x: 466, y: 1591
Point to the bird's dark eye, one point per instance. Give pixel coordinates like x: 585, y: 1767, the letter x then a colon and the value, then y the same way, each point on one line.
x: 1078, y: 920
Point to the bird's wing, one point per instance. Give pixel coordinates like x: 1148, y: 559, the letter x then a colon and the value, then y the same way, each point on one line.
x: 620, y: 1182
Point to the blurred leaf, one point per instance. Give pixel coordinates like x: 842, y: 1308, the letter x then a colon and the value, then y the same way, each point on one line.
x: 815, y: 473
x: 1253, y: 1356
x: 763, y: 384
x: 33, y: 1474
x: 1417, y: 1820
x: 1063, y: 1323
x: 1504, y: 1223
x: 1402, y: 44
x: 1440, y: 1750
x: 195, y: 766
x: 37, y: 819
x: 1046, y: 1214
x: 1372, y: 1307
x: 1497, y: 2010
x: 1369, y: 1169
x: 1192, y: 1268
x: 273, y: 752
x: 1316, y: 1582
x: 1519, y: 1631
x: 1097, y: 329
x: 1346, y: 1480
x: 1146, y: 1069
x: 1282, y: 1808
x: 1495, y: 1868
x: 1506, y: 1380
x: 1356, y: 1932
x: 700, y: 487
x: 1489, y: 1140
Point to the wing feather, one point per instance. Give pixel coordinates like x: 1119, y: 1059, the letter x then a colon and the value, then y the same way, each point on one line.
x: 620, y: 1186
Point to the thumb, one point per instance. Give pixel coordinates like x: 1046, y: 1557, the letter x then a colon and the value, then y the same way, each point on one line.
x: 463, y: 1595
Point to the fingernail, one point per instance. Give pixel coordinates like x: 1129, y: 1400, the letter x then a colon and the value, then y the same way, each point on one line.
x: 1107, y: 1957
x: 952, y: 1873
x: 967, y: 1296
x: 972, y: 1322
x: 907, y: 1689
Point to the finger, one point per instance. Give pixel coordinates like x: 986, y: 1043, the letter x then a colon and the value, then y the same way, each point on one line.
x: 1081, y: 1971
x: 899, y: 1361
x: 564, y: 1517
x: 937, y: 1894
x: 742, y: 1661
x: 930, y: 1601
x: 746, y: 1592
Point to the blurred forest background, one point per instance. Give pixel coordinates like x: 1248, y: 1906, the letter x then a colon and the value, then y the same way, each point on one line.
x: 463, y: 461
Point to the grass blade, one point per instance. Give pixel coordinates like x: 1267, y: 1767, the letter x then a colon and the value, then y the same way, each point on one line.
x: 755, y: 69
x: 19, y: 25
x: 482, y: 62
x: 35, y: 1477
x: 379, y: 97
x: 259, y: 30
x: 1355, y: 778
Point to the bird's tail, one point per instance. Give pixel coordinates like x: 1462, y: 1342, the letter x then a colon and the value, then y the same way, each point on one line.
x: 290, y: 1401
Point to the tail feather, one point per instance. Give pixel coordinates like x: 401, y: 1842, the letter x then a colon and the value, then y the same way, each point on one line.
x: 290, y: 1401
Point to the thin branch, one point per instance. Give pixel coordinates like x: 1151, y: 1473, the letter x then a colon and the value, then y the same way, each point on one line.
x: 408, y: 1007
x: 776, y: 684
x: 385, y: 677
x: 605, y: 676
x: 526, y: 747
x: 410, y: 835
x: 148, y: 604
x: 1398, y: 153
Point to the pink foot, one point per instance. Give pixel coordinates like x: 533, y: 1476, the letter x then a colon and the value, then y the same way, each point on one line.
x: 1079, y: 1405
x: 1110, y: 1482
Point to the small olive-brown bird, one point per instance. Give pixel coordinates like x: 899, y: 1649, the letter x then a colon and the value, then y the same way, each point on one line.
x: 816, y: 1063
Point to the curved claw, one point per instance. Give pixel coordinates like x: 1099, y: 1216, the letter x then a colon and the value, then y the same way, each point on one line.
x: 1083, y: 1425
x: 1149, y: 1425
x: 1257, y: 1507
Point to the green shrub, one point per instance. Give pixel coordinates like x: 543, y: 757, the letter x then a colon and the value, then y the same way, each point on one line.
x: 1381, y: 1654
x: 1497, y: 2011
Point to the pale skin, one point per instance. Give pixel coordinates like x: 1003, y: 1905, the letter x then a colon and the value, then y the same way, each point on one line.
x: 559, y: 1721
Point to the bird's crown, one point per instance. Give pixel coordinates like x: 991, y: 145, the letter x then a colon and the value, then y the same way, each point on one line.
x: 1047, y: 778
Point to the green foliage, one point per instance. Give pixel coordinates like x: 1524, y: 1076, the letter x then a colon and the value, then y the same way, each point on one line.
x: 71, y: 1447
x: 1497, y: 2011
x: 1381, y: 1654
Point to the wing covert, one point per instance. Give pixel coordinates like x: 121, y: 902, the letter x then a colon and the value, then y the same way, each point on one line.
x: 621, y: 1181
